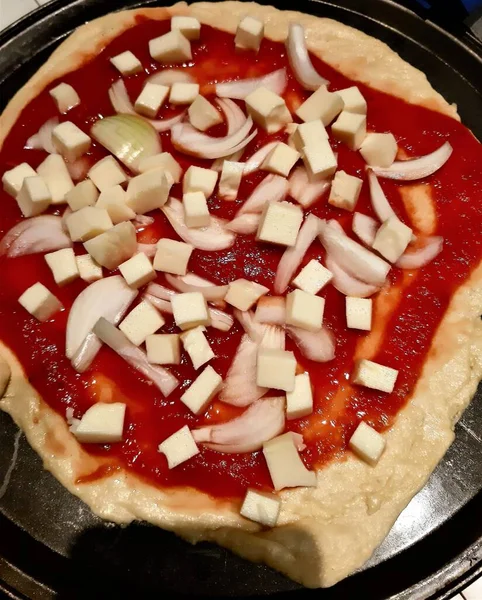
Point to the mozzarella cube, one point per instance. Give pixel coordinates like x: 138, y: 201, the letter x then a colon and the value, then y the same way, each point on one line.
x: 267, y: 109
x: 190, y: 310
x: 322, y: 104
x: 163, y: 161
x: 89, y: 270
x: 299, y: 402
x: 276, y: 369
x: 354, y: 101
x: 113, y: 247
x: 359, y: 313
x: 13, y: 179
x: 345, y: 191
x: 34, y: 197
x: 319, y: 159
x: 202, y: 390
x: 243, y: 294
x: 65, y: 97
x: 280, y: 160
x: 183, y: 93
x: 102, y: 423
x: 137, y: 271
x: 148, y: 191
x: 230, y: 180
x: 87, y: 223
x: 280, y: 223
x: 40, y: 302
x: 367, y: 443
x: 54, y: 172
x: 249, y: 33
x: 261, y: 507
x: 312, y: 277
x: 285, y: 465
x: 172, y: 256
x: 375, y: 376
x: 126, y: 63
x: 304, y: 310
x: 350, y: 128
x: 163, y: 349
x: 308, y: 134
x: 196, y: 212
x: 203, y: 114
x: 392, y: 239
x: 114, y: 200
x: 179, y: 447
x: 142, y: 321
x: 83, y: 194
x: 197, y: 346
x: 170, y: 48
x: 151, y: 99
x: 190, y: 27
x: 379, y: 149
x: 70, y: 141
x: 107, y: 173
x: 63, y: 265
x: 197, y: 179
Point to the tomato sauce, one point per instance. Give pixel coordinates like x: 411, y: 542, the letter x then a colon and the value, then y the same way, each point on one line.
x: 150, y: 417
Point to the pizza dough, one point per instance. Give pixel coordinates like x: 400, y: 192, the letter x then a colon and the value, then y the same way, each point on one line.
x: 324, y: 533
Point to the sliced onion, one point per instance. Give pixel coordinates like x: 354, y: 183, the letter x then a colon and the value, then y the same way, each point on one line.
x: 416, y: 168
x: 300, y: 61
x: 211, y: 293
x: 298, y: 440
x: 271, y: 310
x: 164, y: 306
x: 219, y: 162
x: 275, y: 81
x: 379, y: 201
x: 43, y: 139
x: 35, y: 235
x: 365, y: 228
x: 169, y: 76
x: 274, y: 337
x: 414, y: 259
x: 142, y: 221
x: 318, y: 346
x: 79, y: 168
x: 304, y: 191
x: 246, y: 223
x: 247, y: 321
x: 273, y: 188
x: 347, y: 284
x: 235, y: 117
x: 134, y: 356
x: 255, y: 162
x: 196, y: 280
x: 160, y: 291
x: 148, y: 249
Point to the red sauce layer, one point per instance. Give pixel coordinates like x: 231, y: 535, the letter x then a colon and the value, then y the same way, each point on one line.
x: 338, y: 406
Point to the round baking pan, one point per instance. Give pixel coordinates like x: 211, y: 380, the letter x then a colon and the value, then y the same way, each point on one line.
x: 50, y: 543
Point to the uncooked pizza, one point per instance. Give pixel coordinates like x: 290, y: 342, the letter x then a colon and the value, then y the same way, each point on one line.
x: 241, y: 278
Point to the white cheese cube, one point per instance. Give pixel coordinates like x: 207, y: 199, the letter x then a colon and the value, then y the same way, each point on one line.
x: 345, y: 191
x: 190, y: 27
x: 172, y: 256
x: 392, y: 239
x: 70, y: 141
x: 202, y: 390
x: 40, y: 302
x: 304, y: 310
x: 197, y: 346
x: 163, y: 349
x: 102, y: 423
x: 375, y: 376
x: 89, y: 270
x: 107, y: 173
x: 276, y: 369
x: 65, y: 97
x: 280, y: 223
x: 126, y: 63
x: 230, y: 180
x: 261, y: 507
x: 83, y: 194
x: 196, y: 212
x: 179, y: 447
x: 203, y: 114
x: 280, y: 160
x: 319, y: 159
x: 359, y: 313
x: 183, y: 93
x: 142, y: 321
x: 367, y: 443
x: 137, y: 271
x: 113, y: 247
x: 63, y: 265
x: 379, y: 149
x: 170, y: 48
x: 308, y: 134
x: 267, y: 109
x: 197, y: 179
x: 87, y: 223
x: 312, y: 277
x: 350, y: 128
x: 354, y: 101
x: 54, y: 172
x: 249, y: 34
x: 114, y: 200
x: 34, y: 197
x: 163, y: 161
x: 243, y: 294
x: 148, y: 191
x: 13, y: 179
x: 299, y: 402
x: 322, y: 104
x: 190, y: 310
x: 285, y: 465
x: 151, y: 99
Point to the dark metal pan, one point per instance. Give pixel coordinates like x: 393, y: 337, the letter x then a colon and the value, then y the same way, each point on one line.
x: 50, y: 543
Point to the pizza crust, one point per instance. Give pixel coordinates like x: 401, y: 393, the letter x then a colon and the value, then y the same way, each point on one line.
x: 324, y: 533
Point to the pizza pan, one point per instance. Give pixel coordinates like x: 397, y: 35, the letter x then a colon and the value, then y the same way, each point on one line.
x: 50, y: 543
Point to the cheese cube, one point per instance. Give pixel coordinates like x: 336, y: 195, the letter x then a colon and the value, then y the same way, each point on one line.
x: 163, y: 161
x: 190, y: 27
x: 70, y: 141
x: 319, y: 159
x: 359, y: 313
x: 196, y: 345
x: 392, y: 239
x: 353, y: 99
x: 267, y: 109
x: 54, y: 172
x: 172, y: 256
x: 183, y: 93
x: 63, y: 265
x: 87, y: 223
x: 203, y: 115
x: 202, y: 390
x: 190, y: 310
x: 285, y: 465
x: 13, y: 179
x: 170, y: 48
x: 276, y: 369
x: 196, y: 212
x: 379, y: 149
x: 308, y: 134
x: 367, y: 443
x: 34, y: 197
x: 197, y: 179
x: 261, y: 507
x: 304, y: 310
x: 113, y: 247
x: 151, y: 99
x: 230, y: 180
x: 148, y: 191
x: 65, y: 97
x: 107, y: 173
x: 312, y: 277
x: 299, y: 402
x: 322, y: 104
x: 137, y: 271
x: 40, y: 302
x: 114, y: 200
x: 163, y: 349
x: 126, y: 63
x: 280, y: 223
x: 280, y: 160
x: 243, y: 294
x: 345, y: 191
x: 142, y: 321
x: 89, y: 270
x: 375, y: 376
x: 350, y: 128
x: 179, y: 447
x: 102, y: 423
x: 83, y: 194
x: 249, y: 33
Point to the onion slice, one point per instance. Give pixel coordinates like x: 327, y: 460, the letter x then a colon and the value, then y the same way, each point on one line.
x: 148, y: 249
x: 416, y: 168
x: 275, y: 81
x: 300, y: 61
x: 142, y: 221
x: 348, y: 285
x: 271, y: 310
x: 365, y: 228
x: 414, y: 259
x: 169, y: 76
x: 304, y: 191
x: 247, y: 321
x: 273, y: 188
x: 254, y: 163
x: 379, y: 201
x: 235, y: 117
x: 274, y: 337
x: 219, y: 162
x: 196, y: 280
x: 318, y: 346
x: 42, y: 140
x: 35, y: 235
x: 246, y: 223
x: 211, y: 293
x: 164, y: 306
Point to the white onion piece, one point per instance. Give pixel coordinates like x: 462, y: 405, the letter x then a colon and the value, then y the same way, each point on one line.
x: 219, y: 162
x: 211, y: 293
x: 348, y: 285
x: 148, y: 249
x: 164, y: 306
x: 86, y: 353
x: 42, y: 140
x: 304, y: 191
x: 79, y: 168
x: 274, y: 337
x: 300, y: 61
x: 379, y: 201
x: 414, y: 259
x: 273, y: 188
x: 235, y: 117
x: 293, y: 256
x: 275, y: 81
x: 416, y: 168
x: 193, y: 279
x: 160, y: 291
x: 169, y: 76
x: 298, y: 440
x: 134, y: 356
x: 271, y: 310
x: 35, y: 235
x: 246, y: 223
x: 142, y: 221
x: 254, y: 163
x: 364, y: 227
x: 318, y: 346
x: 247, y: 321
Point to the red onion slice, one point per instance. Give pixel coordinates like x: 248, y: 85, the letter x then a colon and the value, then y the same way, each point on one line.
x: 300, y: 61
x: 211, y: 293
x: 275, y: 81
x: 273, y: 188
x: 246, y: 223
x: 415, y: 259
x: 348, y: 285
x: 304, y: 191
x: 416, y: 168
x: 318, y: 346
x: 271, y: 310
x: 255, y: 162
x: 35, y: 235
x: 365, y: 228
